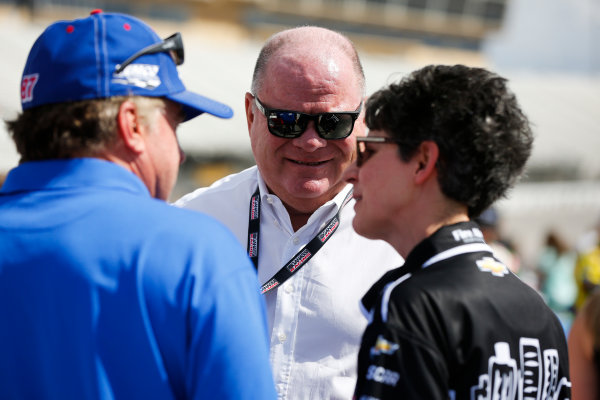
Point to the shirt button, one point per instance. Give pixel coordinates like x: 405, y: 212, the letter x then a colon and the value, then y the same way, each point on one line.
x: 269, y: 200
x: 289, y: 289
x: 282, y: 337
x: 296, y: 240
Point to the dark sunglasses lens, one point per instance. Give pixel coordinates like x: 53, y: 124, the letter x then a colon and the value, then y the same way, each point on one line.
x: 177, y: 56
x: 174, y: 44
x: 286, y: 124
x: 335, y: 126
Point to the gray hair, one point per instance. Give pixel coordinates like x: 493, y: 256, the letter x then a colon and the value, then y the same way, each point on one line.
x: 75, y: 129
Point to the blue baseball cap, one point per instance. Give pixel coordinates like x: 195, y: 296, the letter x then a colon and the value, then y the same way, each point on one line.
x: 81, y: 60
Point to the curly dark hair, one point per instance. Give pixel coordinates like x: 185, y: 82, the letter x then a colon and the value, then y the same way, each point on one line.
x: 483, y: 136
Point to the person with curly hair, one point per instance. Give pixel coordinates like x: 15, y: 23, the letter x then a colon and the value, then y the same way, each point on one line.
x: 454, y: 322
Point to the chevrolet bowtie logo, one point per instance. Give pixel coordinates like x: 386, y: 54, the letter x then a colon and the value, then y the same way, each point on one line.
x: 488, y: 264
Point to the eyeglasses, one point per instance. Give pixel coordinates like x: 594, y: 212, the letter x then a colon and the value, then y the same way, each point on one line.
x: 172, y: 45
x: 363, y: 153
x: 292, y: 124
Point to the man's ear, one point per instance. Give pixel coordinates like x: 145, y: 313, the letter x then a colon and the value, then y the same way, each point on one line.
x: 130, y: 128
x: 426, y: 158
x: 248, y: 102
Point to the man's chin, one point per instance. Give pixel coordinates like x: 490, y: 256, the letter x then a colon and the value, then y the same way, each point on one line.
x: 315, y: 189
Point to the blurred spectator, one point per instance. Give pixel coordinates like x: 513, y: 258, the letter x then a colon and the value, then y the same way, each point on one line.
x: 488, y: 222
x: 28, y: 5
x: 584, y: 350
x: 588, y: 240
x: 587, y: 273
x: 556, y: 266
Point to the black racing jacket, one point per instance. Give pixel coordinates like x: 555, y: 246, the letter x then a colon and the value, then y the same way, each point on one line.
x: 455, y: 323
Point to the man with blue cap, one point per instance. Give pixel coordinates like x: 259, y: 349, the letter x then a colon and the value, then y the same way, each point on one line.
x: 106, y: 291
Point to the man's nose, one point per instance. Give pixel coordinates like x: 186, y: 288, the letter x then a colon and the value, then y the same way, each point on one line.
x: 310, y: 139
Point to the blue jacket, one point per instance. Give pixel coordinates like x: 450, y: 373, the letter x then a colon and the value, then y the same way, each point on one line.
x: 107, y: 293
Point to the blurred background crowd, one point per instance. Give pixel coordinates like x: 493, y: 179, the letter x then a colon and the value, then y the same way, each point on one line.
x: 548, y: 227
x: 564, y: 274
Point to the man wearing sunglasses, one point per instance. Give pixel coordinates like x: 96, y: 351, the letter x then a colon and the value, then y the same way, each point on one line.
x: 106, y: 291
x: 293, y: 211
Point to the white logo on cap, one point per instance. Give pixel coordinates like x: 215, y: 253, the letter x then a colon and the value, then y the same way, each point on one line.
x: 141, y: 75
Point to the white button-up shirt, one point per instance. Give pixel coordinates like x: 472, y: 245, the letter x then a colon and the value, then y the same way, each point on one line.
x: 314, y: 317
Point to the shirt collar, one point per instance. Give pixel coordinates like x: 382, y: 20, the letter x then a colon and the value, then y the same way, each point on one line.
x: 262, y: 186
x: 444, y: 239
x: 71, y: 173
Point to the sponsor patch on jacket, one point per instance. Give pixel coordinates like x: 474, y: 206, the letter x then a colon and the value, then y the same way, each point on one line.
x: 529, y: 372
x: 467, y: 235
x: 488, y: 264
x: 383, y: 346
x: 382, y: 375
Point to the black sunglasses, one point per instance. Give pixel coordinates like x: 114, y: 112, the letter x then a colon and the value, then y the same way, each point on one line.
x: 292, y: 124
x: 172, y: 45
x: 362, y: 153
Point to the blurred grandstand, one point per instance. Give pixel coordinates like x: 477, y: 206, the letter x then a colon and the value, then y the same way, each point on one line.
x: 223, y: 37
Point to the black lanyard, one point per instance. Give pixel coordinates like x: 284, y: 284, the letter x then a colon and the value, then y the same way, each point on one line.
x: 300, y: 258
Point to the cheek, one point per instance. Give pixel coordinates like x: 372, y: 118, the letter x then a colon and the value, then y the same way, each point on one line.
x: 359, y: 127
x: 264, y: 143
x: 368, y: 191
x: 174, y: 150
x: 262, y: 148
x: 379, y: 188
x: 168, y: 149
x: 346, y: 147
